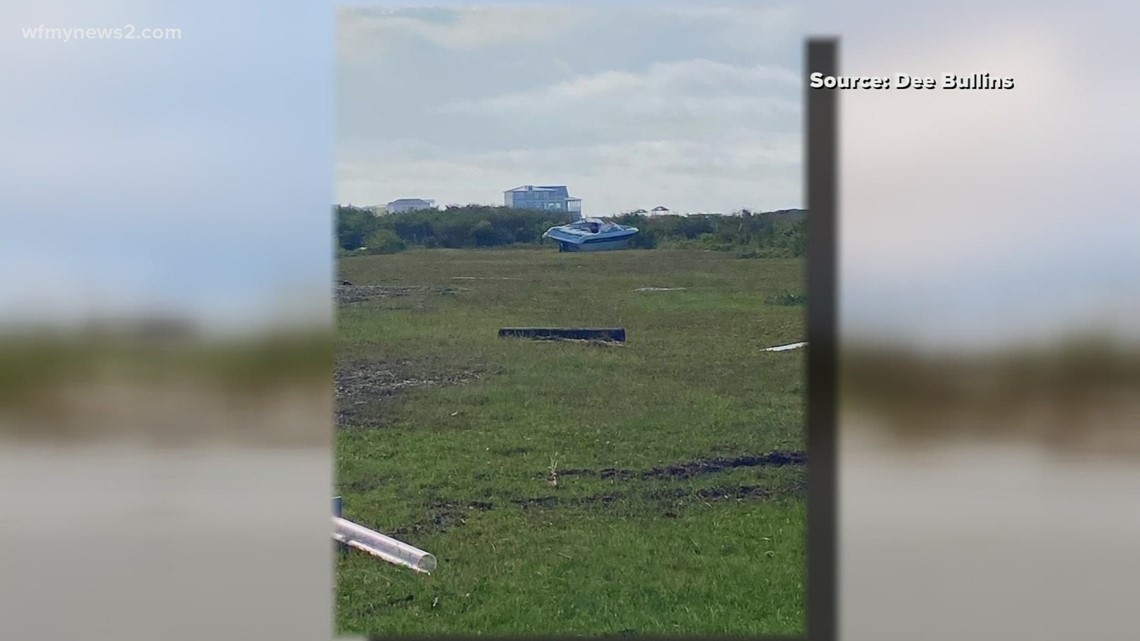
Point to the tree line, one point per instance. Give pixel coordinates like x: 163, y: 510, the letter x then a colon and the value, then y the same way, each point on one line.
x: 765, y: 234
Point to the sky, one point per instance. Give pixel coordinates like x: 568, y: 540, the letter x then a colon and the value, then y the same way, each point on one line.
x: 984, y: 218
x: 195, y: 176
x: 697, y: 108
x: 188, y: 176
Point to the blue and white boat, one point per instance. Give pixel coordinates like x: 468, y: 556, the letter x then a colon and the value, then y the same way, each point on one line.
x: 591, y: 234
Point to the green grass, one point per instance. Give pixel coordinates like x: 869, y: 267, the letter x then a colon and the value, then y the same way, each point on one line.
x: 463, y: 469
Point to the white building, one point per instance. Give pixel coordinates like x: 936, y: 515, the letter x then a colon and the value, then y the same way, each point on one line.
x: 543, y: 198
x: 402, y: 205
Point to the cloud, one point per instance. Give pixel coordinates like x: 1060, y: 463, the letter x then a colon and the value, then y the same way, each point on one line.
x: 696, y: 102
x: 628, y: 107
x: 748, y: 28
x: 368, y: 31
x: 700, y: 88
x: 164, y: 174
x: 925, y: 162
x: 986, y: 212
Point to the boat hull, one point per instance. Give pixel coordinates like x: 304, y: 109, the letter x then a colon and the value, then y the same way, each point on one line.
x: 588, y: 243
x: 595, y: 246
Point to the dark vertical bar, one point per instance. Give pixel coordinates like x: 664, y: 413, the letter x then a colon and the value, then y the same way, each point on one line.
x: 338, y: 510
x: 822, y: 187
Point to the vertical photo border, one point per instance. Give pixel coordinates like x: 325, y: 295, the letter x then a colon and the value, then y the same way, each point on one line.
x: 822, y: 181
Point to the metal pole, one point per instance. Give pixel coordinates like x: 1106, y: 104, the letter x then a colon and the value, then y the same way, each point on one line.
x: 338, y: 511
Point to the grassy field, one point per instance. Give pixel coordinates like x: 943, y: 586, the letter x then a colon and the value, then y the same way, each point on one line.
x: 655, y: 487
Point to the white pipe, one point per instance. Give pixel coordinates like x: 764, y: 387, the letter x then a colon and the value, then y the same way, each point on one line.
x: 783, y: 348
x: 385, y: 547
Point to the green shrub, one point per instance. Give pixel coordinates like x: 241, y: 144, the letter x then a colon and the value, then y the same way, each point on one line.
x: 385, y: 241
x: 756, y: 235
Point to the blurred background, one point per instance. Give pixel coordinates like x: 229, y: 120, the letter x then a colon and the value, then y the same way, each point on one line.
x: 165, y: 320
x: 989, y: 464
x: 165, y: 307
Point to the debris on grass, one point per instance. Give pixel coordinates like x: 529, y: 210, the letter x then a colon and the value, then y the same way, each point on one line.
x: 588, y: 334
x: 596, y: 342
x: 347, y: 293
x: 698, y: 467
x: 363, y: 389
x: 446, y: 515
x: 788, y: 299
x: 394, y: 551
x: 784, y: 348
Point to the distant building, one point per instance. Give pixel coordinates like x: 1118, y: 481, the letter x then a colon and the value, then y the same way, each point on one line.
x: 409, y: 204
x: 660, y: 210
x: 543, y: 197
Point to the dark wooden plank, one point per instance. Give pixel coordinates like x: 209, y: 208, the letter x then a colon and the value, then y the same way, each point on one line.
x: 614, y: 334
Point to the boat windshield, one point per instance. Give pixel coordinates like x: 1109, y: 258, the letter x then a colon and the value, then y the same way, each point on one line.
x: 593, y: 226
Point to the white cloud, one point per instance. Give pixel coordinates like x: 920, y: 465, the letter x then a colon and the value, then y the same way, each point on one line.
x: 748, y: 28
x: 713, y: 88
x: 978, y: 212
x: 926, y: 163
x: 629, y: 107
x: 134, y: 170
x: 364, y: 31
x: 697, y: 102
